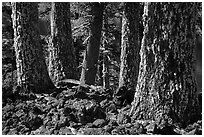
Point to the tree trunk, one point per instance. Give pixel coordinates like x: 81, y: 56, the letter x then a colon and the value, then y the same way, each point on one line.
x: 166, y: 82
x: 62, y: 63
x: 130, y: 45
x: 89, y: 67
x: 105, y: 60
x: 32, y: 71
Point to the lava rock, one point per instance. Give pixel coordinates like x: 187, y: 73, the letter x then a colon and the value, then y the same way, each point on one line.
x: 167, y: 130
x: 36, y: 110
x: 84, y: 105
x: 108, y: 128
x: 20, y: 113
x: 34, y: 122
x: 110, y: 92
x: 111, y: 116
x: 81, y: 95
x: 94, y: 131
x: 137, y: 129
x: 193, y: 132
x: 65, y: 131
x: 13, y: 131
x: 98, y: 113
x: 64, y: 121
x: 123, y: 118
x: 90, y: 125
x: 111, y: 108
x: 5, y: 130
x: 71, y: 117
x: 67, y: 111
x: 41, y: 131
x: 120, y: 130
x: 104, y: 103
x: 99, y: 123
x: 151, y: 128
x: 113, y: 123
x: 108, y: 106
x: 81, y: 117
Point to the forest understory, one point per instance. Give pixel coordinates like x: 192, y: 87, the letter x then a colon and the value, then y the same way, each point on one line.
x: 125, y: 60
x: 81, y: 112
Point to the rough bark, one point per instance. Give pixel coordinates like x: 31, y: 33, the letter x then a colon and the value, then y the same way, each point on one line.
x: 62, y: 62
x: 89, y: 67
x: 105, y: 60
x: 130, y: 45
x: 32, y: 71
x: 166, y: 83
x: 198, y: 64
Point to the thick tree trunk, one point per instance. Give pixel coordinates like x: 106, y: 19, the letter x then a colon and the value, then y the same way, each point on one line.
x: 31, y: 68
x: 166, y: 83
x: 89, y: 67
x: 130, y: 45
x: 62, y: 62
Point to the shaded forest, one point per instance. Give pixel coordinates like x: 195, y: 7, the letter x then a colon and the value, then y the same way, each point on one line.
x: 101, y: 68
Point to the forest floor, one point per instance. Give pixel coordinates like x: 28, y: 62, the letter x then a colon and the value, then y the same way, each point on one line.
x: 79, y: 112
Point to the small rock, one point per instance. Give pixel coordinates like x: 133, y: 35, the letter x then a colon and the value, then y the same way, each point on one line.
x: 94, y: 131
x: 20, y: 113
x: 81, y: 95
x: 13, y: 131
x: 195, y: 125
x: 128, y: 125
x: 75, y: 125
x: 123, y: 118
x: 111, y: 116
x: 90, y: 125
x: 104, y: 103
x: 113, y: 123
x: 111, y: 108
x: 180, y: 131
x: 9, y: 122
x: 67, y: 111
x: 152, y: 127
x: 108, y: 128
x: 41, y: 131
x: 167, y: 130
x: 120, y: 130
x: 189, y: 128
x: 63, y: 122
x: 71, y: 117
x: 98, y: 113
x: 5, y: 131
x: 36, y: 110
x: 35, y: 122
x: 146, y: 123
x: 65, y: 131
x: 99, y: 123
x: 137, y: 129
x: 61, y: 104
x: 193, y: 132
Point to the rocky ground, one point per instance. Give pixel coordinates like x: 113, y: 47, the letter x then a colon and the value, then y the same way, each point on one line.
x: 80, y: 112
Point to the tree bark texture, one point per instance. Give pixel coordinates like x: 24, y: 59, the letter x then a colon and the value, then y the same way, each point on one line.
x: 105, y: 60
x: 62, y: 61
x: 166, y: 82
x: 32, y: 71
x: 89, y: 67
x: 130, y: 45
